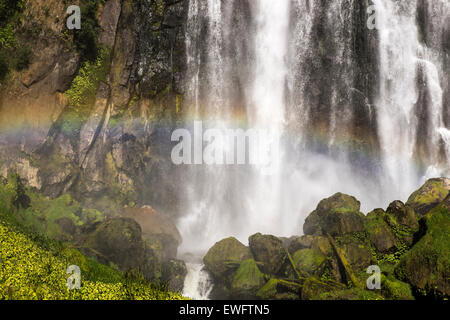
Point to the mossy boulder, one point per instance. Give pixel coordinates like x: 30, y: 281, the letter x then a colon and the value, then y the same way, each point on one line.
x: 403, y: 214
x: 309, y: 261
x: 118, y: 241
x: 173, y: 274
x: 426, y: 266
x: 223, y: 259
x: 268, y: 250
x: 433, y: 192
x: 336, y: 215
x: 158, y: 228
x: 278, y: 289
x: 379, y: 233
x: 247, y: 280
x: 394, y: 289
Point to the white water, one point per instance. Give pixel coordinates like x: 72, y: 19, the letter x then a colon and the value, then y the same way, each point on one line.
x: 238, y: 202
x: 198, y: 284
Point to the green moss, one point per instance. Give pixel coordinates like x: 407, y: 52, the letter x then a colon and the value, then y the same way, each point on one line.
x: 31, y: 272
x: 308, y: 260
x: 396, y: 290
x: 278, y: 289
x: 81, y: 94
x: 247, y: 280
x: 349, y: 294
x: 432, y: 191
x: 427, y: 264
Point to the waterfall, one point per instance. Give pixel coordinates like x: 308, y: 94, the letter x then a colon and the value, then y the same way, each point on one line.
x: 197, y: 284
x: 403, y: 60
x: 349, y: 109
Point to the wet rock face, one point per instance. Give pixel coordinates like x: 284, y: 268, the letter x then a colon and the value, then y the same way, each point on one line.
x: 336, y: 215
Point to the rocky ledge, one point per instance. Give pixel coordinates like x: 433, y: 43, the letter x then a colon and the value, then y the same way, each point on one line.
x: 409, y: 242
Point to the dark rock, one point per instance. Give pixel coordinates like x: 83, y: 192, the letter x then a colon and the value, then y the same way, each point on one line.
x: 297, y: 243
x: 379, y: 232
x: 224, y: 258
x: 404, y: 215
x: 174, y: 273
x: 269, y: 251
x: 117, y: 240
x: 156, y: 228
x: 426, y: 266
x: 336, y: 215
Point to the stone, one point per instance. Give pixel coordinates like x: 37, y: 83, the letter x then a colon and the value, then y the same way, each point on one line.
x: 156, y: 227
x: 247, y: 280
x: 269, y: 251
x: 224, y: 258
x: 429, y: 195
x: 337, y: 215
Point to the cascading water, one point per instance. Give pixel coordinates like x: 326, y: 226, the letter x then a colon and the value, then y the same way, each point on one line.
x: 371, y: 124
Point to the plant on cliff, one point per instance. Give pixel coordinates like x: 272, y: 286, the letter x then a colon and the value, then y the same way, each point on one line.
x: 82, y: 92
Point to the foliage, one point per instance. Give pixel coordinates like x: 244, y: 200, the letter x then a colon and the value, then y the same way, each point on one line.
x: 81, y: 94
x: 9, y: 9
x: 33, y: 266
x: 33, y: 273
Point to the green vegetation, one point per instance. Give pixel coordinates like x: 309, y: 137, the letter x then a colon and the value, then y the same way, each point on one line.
x: 33, y: 264
x: 81, y: 94
x: 30, y: 272
x: 12, y: 54
x: 427, y: 264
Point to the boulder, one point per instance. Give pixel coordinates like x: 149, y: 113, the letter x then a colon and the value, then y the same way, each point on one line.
x: 394, y: 289
x: 269, y: 251
x: 433, y: 192
x: 336, y: 215
x: 426, y: 266
x: 247, y: 280
x: 173, y: 274
x: 402, y: 214
x: 298, y: 243
x: 117, y: 240
x: 309, y: 261
x: 380, y: 234
x: 224, y: 258
x: 157, y: 229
